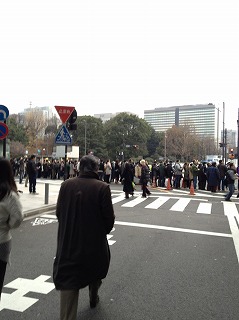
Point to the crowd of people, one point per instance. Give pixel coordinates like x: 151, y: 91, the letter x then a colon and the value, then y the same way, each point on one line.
x: 204, y: 176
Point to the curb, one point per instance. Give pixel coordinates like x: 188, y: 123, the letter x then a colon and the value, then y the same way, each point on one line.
x: 37, y: 211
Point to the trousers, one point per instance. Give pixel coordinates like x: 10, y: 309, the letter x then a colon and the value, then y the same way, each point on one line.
x: 69, y: 301
x: 3, y: 266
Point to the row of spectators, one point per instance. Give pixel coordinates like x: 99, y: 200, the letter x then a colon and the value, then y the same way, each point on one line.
x: 204, y: 176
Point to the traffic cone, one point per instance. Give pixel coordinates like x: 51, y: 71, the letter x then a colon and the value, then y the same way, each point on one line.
x: 192, y: 193
x: 169, y: 184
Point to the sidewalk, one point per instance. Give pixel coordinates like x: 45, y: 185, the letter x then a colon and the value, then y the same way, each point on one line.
x: 35, y: 204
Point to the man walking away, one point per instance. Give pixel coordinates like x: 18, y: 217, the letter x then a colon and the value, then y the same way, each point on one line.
x: 231, y: 177
x: 85, y: 215
x: 32, y: 174
x: 222, y: 170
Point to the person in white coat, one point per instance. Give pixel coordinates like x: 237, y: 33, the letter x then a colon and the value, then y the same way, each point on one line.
x: 10, y: 214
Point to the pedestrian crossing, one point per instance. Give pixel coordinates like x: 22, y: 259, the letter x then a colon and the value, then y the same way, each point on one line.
x: 176, y: 204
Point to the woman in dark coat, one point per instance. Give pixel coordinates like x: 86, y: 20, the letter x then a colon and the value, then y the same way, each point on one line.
x: 202, y: 178
x: 85, y: 215
x: 128, y: 177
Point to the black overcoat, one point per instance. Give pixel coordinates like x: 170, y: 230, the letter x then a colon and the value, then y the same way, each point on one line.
x: 85, y: 215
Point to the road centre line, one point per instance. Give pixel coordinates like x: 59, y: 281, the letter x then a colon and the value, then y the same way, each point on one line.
x: 150, y: 226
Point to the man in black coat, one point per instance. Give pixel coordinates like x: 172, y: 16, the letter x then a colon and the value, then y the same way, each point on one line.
x: 32, y: 174
x: 85, y: 214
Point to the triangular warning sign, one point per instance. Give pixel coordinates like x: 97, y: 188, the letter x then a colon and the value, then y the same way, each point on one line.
x: 64, y: 112
x: 63, y: 136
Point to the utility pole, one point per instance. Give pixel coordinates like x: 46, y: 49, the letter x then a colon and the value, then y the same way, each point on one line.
x: 225, y: 148
x: 238, y: 138
x: 223, y: 135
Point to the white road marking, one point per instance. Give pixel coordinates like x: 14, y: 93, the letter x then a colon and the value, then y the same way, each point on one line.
x: 109, y: 236
x: 230, y: 210
x: 230, y: 207
x: 157, y: 203
x: 17, y: 301
x: 118, y: 199
x: 48, y: 216
x: 204, y: 208
x: 151, y: 226
x: 43, y: 221
x: 180, y: 205
x: 110, y: 242
x: 133, y: 203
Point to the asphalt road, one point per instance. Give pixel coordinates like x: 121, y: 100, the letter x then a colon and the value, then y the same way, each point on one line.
x: 174, y: 256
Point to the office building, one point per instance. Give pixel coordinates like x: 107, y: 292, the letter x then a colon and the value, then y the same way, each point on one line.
x: 200, y: 117
x: 230, y: 138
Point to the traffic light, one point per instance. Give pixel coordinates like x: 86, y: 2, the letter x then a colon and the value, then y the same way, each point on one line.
x: 71, y: 125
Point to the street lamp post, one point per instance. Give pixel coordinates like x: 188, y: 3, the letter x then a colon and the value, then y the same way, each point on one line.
x: 218, y: 110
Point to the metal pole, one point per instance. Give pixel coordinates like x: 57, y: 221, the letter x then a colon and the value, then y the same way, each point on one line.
x: 65, y: 168
x: 46, y: 193
x: 223, y: 134
x: 4, y: 145
x: 85, y: 137
x: 217, y: 131
x: 165, y: 146
x: 238, y: 140
x: 226, y: 144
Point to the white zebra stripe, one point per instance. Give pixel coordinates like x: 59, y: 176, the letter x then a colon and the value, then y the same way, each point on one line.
x: 133, y: 203
x: 180, y: 205
x: 204, y: 208
x: 157, y: 203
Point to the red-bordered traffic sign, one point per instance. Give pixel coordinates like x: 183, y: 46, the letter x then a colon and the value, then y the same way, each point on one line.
x: 64, y: 112
x: 3, y: 130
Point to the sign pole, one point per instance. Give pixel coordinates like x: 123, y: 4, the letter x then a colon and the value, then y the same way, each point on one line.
x: 4, y: 146
x: 65, y: 169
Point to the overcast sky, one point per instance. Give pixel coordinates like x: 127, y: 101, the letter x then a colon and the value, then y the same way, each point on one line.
x: 128, y: 55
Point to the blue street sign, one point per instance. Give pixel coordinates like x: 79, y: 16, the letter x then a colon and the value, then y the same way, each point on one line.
x: 4, y: 113
x: 63, y: 136
x: 3, y: 130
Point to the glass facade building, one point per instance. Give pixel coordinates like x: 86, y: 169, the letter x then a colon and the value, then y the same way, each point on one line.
x: 201, y: 118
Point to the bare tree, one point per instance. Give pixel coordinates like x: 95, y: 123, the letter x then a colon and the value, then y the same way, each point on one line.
x: 17, y: 149
x: 35, y: 124
x: 184, y: 144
